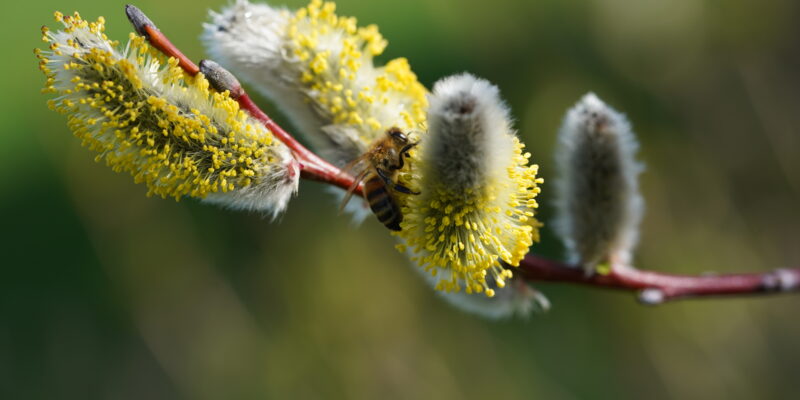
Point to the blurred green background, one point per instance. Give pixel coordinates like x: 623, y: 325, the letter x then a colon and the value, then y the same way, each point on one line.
x: 108, y: 294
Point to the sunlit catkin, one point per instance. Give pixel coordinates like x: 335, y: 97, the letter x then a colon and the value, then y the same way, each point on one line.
x: 318, y: 68
x: 475, y: 213
x: 145, y: 116
x: 597, y: 195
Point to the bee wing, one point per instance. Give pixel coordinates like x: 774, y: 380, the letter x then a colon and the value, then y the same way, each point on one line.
x: 360, y: 165
x: 349, y: 194
x: 343, y: 143
x: 355, y: 167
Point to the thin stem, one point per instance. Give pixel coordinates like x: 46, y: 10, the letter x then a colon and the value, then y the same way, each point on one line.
x: 312, y: 166
x: 653, y: 287
x: 159, y: 41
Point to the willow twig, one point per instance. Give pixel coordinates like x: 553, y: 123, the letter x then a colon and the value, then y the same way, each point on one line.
x: 656, y: 287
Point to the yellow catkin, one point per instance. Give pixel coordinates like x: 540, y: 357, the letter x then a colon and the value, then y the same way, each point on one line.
x: 332, y: 81
x: 144, y: 115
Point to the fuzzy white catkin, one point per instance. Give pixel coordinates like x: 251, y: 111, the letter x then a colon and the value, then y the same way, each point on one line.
x: 270, y: 49
x: 318, y: 69
x: 212, y: 151
x: 476, y: 201
x: 247, y: 39
x: 598, y: 204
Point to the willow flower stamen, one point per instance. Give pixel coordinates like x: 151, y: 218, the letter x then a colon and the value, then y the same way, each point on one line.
x: 318, y: 68
x: 145, y: 116
x: 474, y: 215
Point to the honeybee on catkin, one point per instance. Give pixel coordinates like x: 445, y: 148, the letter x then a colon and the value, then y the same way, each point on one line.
x: 377, y: 169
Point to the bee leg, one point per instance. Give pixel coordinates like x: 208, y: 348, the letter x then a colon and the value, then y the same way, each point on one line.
x: 383, y: 176
x: 400, y: 162
x: 408, y: 147
x: 402, y: 189
x: 395, y: 186
x: 403, y: 152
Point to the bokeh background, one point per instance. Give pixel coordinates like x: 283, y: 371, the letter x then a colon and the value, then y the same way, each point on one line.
x: 108, y: 294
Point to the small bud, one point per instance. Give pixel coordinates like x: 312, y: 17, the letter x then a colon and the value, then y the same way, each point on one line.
x: 138, y: 19
x: 220, y: 79
x: 651, y: 296
x: 781, y: 279
x: 597, y: 195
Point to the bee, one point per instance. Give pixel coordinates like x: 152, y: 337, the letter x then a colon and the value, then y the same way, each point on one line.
x: 377, y: 169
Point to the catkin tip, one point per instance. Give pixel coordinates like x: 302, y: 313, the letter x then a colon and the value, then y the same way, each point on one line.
x: 220, y: 79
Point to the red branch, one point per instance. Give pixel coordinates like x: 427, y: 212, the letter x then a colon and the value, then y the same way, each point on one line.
x: 312, y: 166
x: 658, y: 287
x: 159, y: 41
x: 653, y: 287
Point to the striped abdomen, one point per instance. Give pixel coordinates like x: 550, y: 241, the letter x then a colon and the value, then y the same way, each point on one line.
x: 381, y: 202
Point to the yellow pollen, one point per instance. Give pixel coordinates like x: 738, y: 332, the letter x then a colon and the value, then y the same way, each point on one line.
x: 330, y: 75
x: 180, y: 139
